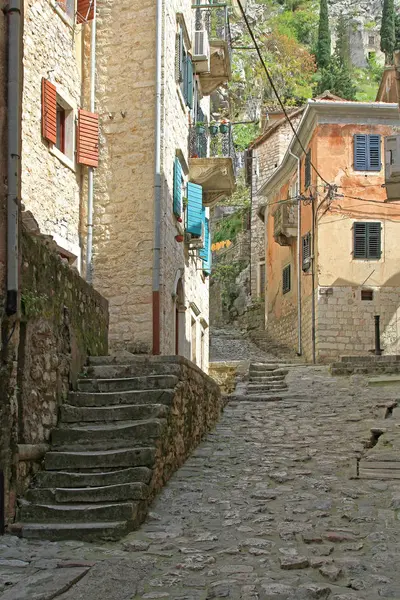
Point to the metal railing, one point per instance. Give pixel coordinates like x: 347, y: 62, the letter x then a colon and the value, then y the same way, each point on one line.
x: 204, y: 142
x: 216, y: 22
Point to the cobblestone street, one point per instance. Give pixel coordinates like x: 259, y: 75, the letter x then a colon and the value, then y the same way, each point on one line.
x: 267, y: 507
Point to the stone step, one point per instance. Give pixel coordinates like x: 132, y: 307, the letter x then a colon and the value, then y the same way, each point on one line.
x: 66, y: 479
x: 266, y: 379
x: 107, y: 531
x: 258, y: 398
x: 263, y: 367
x: 371, y: 358
x: 162, y: 396
x: 79, y: 513
x: 121, y: 457
x: 134, y: 369
x: 150, y: 382
x: 113, y: 435
x: 128, y: 412
x: 262, y: 387
x: 268, y: 372
x: 109, y: 493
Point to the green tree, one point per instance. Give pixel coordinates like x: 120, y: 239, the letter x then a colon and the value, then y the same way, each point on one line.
x: 388, y: 37
x: 397, y: 31
x: 338, y: 80
x: 342, y: 49
x: 323, y: 53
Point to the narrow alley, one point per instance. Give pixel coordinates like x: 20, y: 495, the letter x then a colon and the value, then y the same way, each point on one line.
x: 267, y: 507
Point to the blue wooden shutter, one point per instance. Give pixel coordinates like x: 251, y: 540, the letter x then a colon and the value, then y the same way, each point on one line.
x: 374, y: 240
x: 360, y: 152
x: 177, y: 188
x: 360, y: 240
x: 189, y: 65
x: 207, y: 244
x: 374, y: 153
x: 195, y: 209
x: 203, y: 252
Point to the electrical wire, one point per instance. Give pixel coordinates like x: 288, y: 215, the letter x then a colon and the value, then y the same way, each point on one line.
x: 272, y: 84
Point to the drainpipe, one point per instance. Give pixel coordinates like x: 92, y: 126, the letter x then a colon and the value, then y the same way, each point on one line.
x: 89, y: 242
x: 157, y: 186
x: 13, y: 153
x: 299, y: 269
x: 313, y: 281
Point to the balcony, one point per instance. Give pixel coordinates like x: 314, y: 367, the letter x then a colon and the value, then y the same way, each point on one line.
x: 212, y: 51
x: 285, y: 223
x: 212, y: 162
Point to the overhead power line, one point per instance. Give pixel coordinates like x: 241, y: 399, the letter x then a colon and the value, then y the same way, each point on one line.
x: 272, y: 84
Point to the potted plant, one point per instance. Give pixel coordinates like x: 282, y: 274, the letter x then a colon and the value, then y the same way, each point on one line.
x: 213, y: 128
x: 224, y: 126
x: 200, y: 127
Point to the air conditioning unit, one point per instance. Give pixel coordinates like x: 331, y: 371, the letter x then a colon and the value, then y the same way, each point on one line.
x: 392, y: 167
x: 201, y: 56
x: 195, y: 241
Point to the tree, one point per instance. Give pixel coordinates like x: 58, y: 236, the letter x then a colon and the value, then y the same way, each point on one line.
x: 388, y: 35
x: 397, y: 31
x: 323, y: 53
x: 337, y: 76
x: 342, y: 49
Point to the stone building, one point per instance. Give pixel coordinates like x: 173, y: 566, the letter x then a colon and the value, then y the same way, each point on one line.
x: 343, y: 255
x: 159, y: 305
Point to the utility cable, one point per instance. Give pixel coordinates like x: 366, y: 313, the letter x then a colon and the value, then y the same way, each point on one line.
x: 272, y: 84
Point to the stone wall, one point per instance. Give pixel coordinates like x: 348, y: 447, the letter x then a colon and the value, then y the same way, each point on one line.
x: 3, y: 151
x: 63, y: 320
x: 195, y: 410
x: 50, y: 189
x: 346, y: 326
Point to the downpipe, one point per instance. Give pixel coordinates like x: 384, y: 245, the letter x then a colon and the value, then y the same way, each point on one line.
x: 13, y: 154
x: 157, y: 186
x: 89, y: 241
x: 299, y: 269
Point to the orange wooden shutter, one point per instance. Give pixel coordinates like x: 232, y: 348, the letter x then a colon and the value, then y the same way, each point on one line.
x: 84, y: 11
x: 49, y: 111
x: 88, y: 138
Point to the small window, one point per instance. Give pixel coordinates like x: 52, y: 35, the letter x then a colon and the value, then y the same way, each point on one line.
x: 68, y: 6
x: 262, y: 279
x: 308, y: 169
x: 371, y: 40
x: 286, y: 279
x: 184, y: 69
x: 367, y: 152
x: 60, y: 128
x: 367, y: 241
x: 367, y: 295
x: 306, y: 246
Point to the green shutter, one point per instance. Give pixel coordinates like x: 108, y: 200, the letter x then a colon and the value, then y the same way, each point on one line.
x: 195, y: 214
x: 206, y: 253
x: 177, y: 188
x: 367, y: 241
x: 308, y: 169
x: 189, y: 65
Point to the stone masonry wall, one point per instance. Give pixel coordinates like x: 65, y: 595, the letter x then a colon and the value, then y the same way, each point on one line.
x: 50, y: 189
x: 63, y: 320
x: 345, y: 323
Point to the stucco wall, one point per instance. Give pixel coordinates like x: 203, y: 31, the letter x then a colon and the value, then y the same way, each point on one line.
x: 51, y: 49
x: 124, y: 184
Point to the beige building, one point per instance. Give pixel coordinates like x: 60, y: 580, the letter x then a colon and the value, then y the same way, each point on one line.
x: 332, y: 253
x: 119, y: 163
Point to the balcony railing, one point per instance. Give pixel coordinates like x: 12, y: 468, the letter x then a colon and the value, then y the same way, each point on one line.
x: 204, y: 143
x: 285, y: 223
x: 216, y: 22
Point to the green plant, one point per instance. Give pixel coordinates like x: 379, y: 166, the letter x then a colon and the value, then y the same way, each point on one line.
x: 33, y: 304
x: 388, y: 34
x: 323, y: 51
x: 185, y: 201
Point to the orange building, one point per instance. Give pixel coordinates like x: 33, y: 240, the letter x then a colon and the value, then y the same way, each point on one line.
x: 332, y: 238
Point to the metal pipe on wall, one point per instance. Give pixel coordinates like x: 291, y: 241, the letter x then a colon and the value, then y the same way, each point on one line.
x: 157, y: 186
x: 313, y: 281
x: 13, y: 153
x: 299, y: 270
x: 89, y: 242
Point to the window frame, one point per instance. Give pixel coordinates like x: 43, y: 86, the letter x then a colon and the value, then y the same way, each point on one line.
x: 262, y: 269
x: 68, y: 156
x: 366, y: 255
x: 306, y: 244
x: 286, y: 279
x: 367, y: 168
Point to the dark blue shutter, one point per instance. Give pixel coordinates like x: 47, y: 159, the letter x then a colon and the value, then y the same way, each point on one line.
x: 374, y: 152
x: 360, y: 240
x: 374, y: 240
x: 203, y: 252
x: 206, y: 253
x: 184, y: 87
x: 195, y: 209
x: 189, y: 65
x: 360, y: 152
x: 177, y: 188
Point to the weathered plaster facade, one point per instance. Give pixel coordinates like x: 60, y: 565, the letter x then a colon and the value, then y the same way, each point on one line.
x: 124, y: 186
x: 50, y: 188
x: 344, y: 322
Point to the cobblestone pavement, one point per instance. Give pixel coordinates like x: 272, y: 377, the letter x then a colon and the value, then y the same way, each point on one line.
x: 228, y: 344
x: 266, y: 508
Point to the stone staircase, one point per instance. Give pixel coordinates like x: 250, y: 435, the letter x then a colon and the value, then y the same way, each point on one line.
x: 263, y: 340
x: 109, y: 451
x: 266, y: 382
x: 367, y: 365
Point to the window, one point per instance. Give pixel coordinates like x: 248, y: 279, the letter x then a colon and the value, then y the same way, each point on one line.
x: 178, y: 188
x: 58, y: 123
x: 306, y: 246
x: 286, y: 279
x: 261, y: 279
x: 367, y: 152
x: 367, y: 295
x: 308, y: 169
x: 367, y: 241
x: 184, y: 69
x: 60, y: 128
x: 371, y: 40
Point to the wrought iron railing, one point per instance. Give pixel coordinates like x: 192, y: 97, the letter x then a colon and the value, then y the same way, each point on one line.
x: 216, y: 22
x: 206, y: 142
